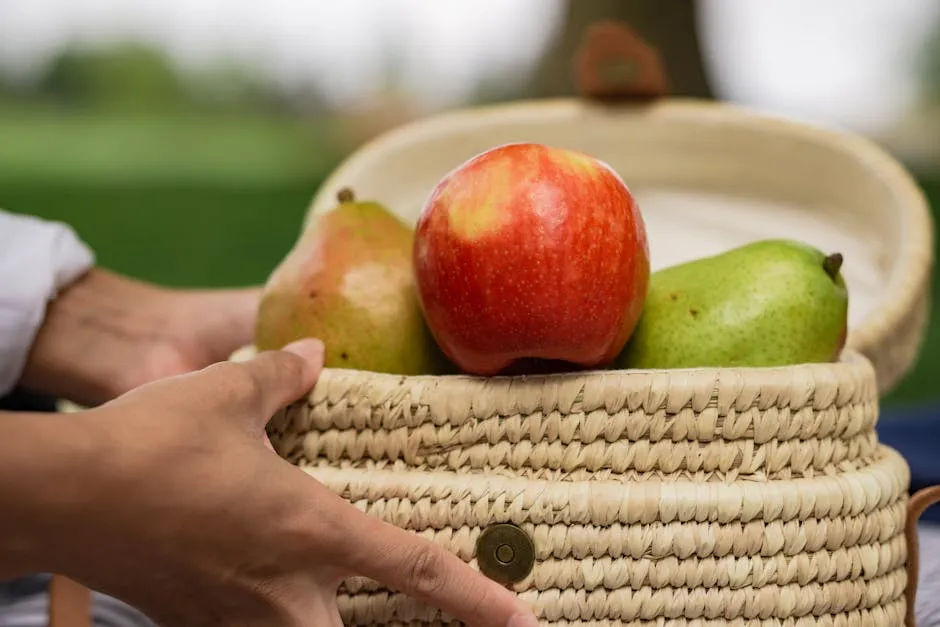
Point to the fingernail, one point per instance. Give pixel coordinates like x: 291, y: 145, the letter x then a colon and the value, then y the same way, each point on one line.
x: 523, y: 620
x: 311, y: 349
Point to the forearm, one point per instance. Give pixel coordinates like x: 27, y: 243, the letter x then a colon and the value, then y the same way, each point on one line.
x: 71, y: 330
x: 81, y: 352
x: 45, y: 461
x: 107, y: 334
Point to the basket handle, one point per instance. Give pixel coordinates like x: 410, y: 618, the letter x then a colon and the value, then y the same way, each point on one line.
x: 614, y: 64
x: 920, y: 501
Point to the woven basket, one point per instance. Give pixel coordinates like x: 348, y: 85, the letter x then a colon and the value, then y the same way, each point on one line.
x: 706, y: 497
x: 686, y: 497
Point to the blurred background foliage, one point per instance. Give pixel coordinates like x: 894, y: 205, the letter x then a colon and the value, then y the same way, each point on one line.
x: 195, y: 168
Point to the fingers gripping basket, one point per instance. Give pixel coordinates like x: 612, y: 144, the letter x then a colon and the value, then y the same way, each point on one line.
x: 688, y: 497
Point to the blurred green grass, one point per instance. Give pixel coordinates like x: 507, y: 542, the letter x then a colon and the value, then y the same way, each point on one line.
x: 48, y: 145
x: 182, y: 200
x: 180, y: 235
x: 211, y: 202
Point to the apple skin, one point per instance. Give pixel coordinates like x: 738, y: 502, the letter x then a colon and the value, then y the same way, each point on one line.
x: 528, y: 254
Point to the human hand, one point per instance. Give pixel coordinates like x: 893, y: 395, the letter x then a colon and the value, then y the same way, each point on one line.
x: 178, y: 508
x: 107, y: 334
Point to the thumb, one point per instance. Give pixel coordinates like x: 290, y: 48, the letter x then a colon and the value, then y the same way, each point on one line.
x: 276, y: 378
x: 428, y: 573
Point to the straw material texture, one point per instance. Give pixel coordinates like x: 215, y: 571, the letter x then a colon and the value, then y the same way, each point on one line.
x: 687, y: 497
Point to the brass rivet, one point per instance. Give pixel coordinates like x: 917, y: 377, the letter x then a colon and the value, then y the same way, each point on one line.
x: 505, y: 553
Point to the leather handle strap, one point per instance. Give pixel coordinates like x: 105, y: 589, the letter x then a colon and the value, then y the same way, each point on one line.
x: 614, y: 64
x: 920, y: 501
x: 69, y: 603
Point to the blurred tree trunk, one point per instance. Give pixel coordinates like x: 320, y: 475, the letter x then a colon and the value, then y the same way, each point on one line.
x: 669, y: 25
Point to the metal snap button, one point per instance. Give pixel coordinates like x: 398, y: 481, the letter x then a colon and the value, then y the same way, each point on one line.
x: 505, y: 553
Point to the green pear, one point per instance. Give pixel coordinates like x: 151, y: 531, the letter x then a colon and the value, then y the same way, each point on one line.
x: 348, y: 281
x: 768, y: 303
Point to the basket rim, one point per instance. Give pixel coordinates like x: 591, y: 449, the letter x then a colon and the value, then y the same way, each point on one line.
x: 852, y: 364
x: 913, y: 262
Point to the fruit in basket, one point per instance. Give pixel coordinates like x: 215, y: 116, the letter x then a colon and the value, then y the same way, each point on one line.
x: 348, y: 280
x: 767, y: 303
x: 531, y: 258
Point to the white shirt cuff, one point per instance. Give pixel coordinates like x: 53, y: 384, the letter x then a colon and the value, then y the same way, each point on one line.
x: 37, y: 259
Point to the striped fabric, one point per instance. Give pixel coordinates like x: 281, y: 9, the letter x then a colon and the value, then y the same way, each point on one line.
x: 928, y: 588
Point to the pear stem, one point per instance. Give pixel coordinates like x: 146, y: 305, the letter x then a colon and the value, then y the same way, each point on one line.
x: 345, y: 195
x: 832, y: 264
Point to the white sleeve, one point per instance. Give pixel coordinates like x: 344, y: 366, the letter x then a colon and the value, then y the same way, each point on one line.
x: 37, y: 259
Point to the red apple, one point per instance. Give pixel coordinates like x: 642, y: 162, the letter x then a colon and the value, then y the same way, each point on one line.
x: 531, y: 254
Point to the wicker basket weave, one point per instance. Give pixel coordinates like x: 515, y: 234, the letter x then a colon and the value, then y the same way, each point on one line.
x: 705, y: 495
